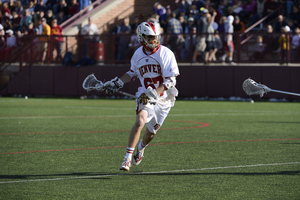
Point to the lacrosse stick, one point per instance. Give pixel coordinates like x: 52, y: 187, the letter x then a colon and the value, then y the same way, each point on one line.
x: 251, y: 87
x: 92, y: 83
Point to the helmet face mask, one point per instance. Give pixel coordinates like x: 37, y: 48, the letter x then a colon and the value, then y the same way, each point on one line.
x: 148, y: 36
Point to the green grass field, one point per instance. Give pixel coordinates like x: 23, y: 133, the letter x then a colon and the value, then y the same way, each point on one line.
x: 72, y: 149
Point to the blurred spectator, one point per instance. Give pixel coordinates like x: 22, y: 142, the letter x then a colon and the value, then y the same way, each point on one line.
x: 26, y: 18
x: 134, y: 24
x: 117, y: 28
x: 174, y: 29
x: 52, y: 5
x: 214, y: 8
x: 58, y: 40
x: 295, y: 16
x: 6, y: 24
x: 11, y: 43
x: 73, y: 8
x: 63, y: 7
x: 224, y: 7
x: 30, y: 30
x: 289, y: 4
x: 238, y: 25
x: 124, y: 39
x: 219, y: 44
x: 133, y: 45
x: 259, y: 48
x: 11, y: 5
x: 183, y: 22
x: 185, y: 7
x: 83, y: 4
x: 269, y: 41
x: 194, y: 12
x: 201, y: 30
x: 222, y: 22
x: 229, y: 46
x: 284, y: 42
x: 40, y: 7
x: 31, y: 7
x: 49, y: 17
x: 295, y: 45
x: 161, y: 11
x: 279, y: 24
x: 19, y: 39
x: 16, y: 21
x: 190, y: 43
x: 211, y: 48
x: 292, y: 25
x: 174, y: 7
x: 61, y: 18
x: 38, y: 18
x: 248, y: 10
x: 180, y: 46
x: 2, y: 38
x: 90, y: 33
x: 19, y: 8
x: 5, y: 8
x: 258, y: 11
x: 269, y: 8
x: 189, y: 26
x: 43, y: 41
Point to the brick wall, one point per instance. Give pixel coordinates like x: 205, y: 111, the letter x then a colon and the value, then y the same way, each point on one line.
x: 131, y: 8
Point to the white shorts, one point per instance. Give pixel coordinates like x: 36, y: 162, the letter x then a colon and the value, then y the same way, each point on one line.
x: 156, y: 115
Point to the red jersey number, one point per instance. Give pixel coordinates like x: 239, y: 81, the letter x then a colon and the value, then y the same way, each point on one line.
x: 153, y: 82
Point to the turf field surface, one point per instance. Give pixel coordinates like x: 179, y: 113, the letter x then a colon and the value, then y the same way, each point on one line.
x: 72, y: 149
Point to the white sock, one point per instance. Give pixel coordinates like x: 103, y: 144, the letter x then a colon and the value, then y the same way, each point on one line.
x: 129, y: 152
x: 141, y: 146
x: 230, y: 59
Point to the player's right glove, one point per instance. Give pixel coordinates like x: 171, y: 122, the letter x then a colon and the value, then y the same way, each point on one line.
x: 113, y: 85
x: 149, y: 95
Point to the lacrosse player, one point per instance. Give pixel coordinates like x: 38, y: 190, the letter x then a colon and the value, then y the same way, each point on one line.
x: 156, y: 67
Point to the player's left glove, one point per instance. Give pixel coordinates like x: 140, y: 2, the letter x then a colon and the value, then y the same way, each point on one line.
x: 149, y: 95
x: 113, y: 85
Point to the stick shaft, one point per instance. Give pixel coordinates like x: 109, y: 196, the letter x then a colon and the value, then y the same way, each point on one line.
x: 283, y: 92
x: 127, y: 94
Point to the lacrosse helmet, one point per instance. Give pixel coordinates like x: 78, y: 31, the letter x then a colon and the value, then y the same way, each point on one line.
x: 148, y: 28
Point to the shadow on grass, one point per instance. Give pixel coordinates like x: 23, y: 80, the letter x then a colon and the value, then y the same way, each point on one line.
x: 88, y: 175
x: 84, y: 174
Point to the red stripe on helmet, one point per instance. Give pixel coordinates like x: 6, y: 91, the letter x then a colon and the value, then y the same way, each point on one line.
x: 152, y: 26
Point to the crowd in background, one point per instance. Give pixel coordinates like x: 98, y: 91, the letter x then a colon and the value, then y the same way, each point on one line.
x: 22, y: 19
x: 183, y: 17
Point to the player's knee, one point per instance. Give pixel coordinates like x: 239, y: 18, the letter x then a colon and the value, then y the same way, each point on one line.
x: 139, y: 123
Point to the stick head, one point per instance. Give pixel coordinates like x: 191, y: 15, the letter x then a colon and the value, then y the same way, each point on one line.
x: 251, y: 87
x: 91, y: 83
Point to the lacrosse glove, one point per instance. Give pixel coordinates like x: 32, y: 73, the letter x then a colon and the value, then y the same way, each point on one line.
x: 113, y: 85
x: 149, y: 95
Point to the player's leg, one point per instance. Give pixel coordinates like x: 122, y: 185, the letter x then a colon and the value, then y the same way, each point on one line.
x: 134, y: 136
x: 139, y: 154
x: 160, y: 114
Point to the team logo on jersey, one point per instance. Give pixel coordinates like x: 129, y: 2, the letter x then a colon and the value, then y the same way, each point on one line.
x: 150, y: 68
x: 147, y: 60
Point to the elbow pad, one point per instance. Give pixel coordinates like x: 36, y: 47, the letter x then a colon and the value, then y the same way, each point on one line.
x: 170, y: 82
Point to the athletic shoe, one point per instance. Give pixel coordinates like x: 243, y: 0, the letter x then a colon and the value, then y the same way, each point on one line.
x: 138, y: 156
x: 126, y: 164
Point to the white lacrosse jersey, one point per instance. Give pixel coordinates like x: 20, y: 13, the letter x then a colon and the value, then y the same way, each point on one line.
x: 152, y: 70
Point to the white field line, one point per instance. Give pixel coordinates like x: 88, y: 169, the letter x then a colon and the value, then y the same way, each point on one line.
x: 149, y: 173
